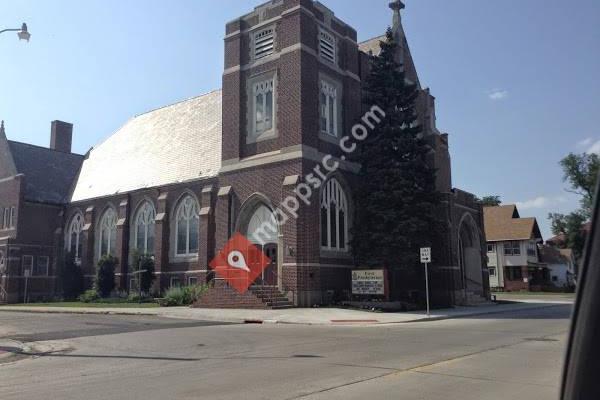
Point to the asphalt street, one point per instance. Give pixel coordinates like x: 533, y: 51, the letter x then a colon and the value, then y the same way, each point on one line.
x: 500, y: 356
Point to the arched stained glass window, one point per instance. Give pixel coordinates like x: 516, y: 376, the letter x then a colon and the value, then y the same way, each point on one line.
x: 108, y: 233
x: 187, y: 225
x: 334, y: 217
x: 144, y: 228
x: 74, y: 239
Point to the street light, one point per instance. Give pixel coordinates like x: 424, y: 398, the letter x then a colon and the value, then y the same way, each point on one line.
x: 22, y: 32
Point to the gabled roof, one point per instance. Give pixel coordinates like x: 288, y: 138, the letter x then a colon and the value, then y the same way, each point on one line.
x: 176, y: 143
x: 372, y: 47
x: 552, y: 255
x: 7, y: 164
x: 503, y: 223
x: 49, y: 174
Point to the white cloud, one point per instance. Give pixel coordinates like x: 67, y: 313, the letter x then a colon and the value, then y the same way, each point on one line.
x: 594, y: 148
x: 498, y: 94
x: 585, y: 142
x: 589, y: 145
x: 540, y: 202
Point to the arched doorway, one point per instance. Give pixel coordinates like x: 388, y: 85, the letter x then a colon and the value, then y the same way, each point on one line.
x: 259, y: 225
x: 469, y: 256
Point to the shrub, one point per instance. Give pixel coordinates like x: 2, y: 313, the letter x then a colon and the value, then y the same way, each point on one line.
x: 184, y: 296
x: 143, y: 262
x: 105, y: 276
x: 89, y: 296
x: 71, y: 278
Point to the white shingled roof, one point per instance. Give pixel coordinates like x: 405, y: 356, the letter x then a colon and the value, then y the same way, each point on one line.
x: 176, y: 143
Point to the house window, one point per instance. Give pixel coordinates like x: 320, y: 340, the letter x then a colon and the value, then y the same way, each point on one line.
x: 27, y: 265
x: 532, y: 249
x: 108, y: 233
x: 41, y: 267
x: 12, y: 217
x: 492, y: 271
x: 192, y: 281
x: 327, y: 47
x: 144, y: 228
x: 74, y: 239
x: 264, y: 43
x: 491, y: 248
x: 554, y: 278
x: 514, y: 273
x: 262, y: 93
x: 334, y: 217
x: 328, y: 102
x: 187, y: 226
x: 512, y: 248
x: 174, y: 282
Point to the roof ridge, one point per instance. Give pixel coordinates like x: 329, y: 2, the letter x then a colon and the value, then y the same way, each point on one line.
x: 105, y: 139
x: 373, y: 38
x: 43, y: 148
x: 177, y: 102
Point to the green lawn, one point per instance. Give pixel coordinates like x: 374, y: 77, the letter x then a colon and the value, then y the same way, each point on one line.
x: 77, y: 304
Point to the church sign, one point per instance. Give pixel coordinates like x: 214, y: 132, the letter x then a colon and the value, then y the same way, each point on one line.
x: 369, y: 282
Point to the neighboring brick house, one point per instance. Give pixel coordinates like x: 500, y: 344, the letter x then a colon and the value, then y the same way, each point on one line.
x: 34, y: 189
x: 177, y: 182
x: 512, y: 250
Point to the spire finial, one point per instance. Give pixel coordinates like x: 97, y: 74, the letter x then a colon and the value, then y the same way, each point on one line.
x: 2, y: 126
x: 397, y: 5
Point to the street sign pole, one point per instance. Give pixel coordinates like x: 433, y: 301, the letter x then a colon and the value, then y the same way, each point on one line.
x: 427, y: 288
x: 26, y: 273
x: 426, y: 259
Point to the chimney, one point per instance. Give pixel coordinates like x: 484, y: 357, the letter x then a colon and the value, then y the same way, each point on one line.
x: 61, y: 134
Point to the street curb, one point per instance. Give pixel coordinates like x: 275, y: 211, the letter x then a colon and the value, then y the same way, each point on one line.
x: 7, y: 355
x: 75, y: 311
x: 532, y: 306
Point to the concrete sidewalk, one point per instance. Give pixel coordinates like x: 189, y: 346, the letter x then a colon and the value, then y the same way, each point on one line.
x: 307, y: 316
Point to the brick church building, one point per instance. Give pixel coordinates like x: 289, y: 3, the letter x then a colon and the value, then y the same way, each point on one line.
x: 178, y: 181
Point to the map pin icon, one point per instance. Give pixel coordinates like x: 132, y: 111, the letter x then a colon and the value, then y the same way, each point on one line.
x: 236, y: 259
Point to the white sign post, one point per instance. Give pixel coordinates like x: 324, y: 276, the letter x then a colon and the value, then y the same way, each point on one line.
x: 426, y: 259
x: 26, y: 274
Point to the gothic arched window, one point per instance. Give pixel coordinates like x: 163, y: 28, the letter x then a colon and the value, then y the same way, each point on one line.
x: 144, y: 228
x: 334, y: 217
x: 108, y: 233
x: 74, y: 239
x: 187, y: 225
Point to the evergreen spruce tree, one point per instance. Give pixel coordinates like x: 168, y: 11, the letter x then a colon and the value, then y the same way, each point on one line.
x: 396, y: 197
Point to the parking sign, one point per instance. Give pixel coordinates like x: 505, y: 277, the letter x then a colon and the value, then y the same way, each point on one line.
x: 425, y: 255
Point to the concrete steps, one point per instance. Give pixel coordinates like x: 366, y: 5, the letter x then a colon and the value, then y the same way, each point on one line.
x: 272, y: 297
x: 221, y: 295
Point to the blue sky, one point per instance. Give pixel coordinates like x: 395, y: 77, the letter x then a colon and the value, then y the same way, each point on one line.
x: 516, y: 81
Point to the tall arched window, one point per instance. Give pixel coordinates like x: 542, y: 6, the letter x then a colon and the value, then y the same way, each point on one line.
x: 74, y: 239
x: 108, y: 233
x: 187, y: 225
x: 144, y: 228
x: 334, y: 217
x: 262, y: 226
